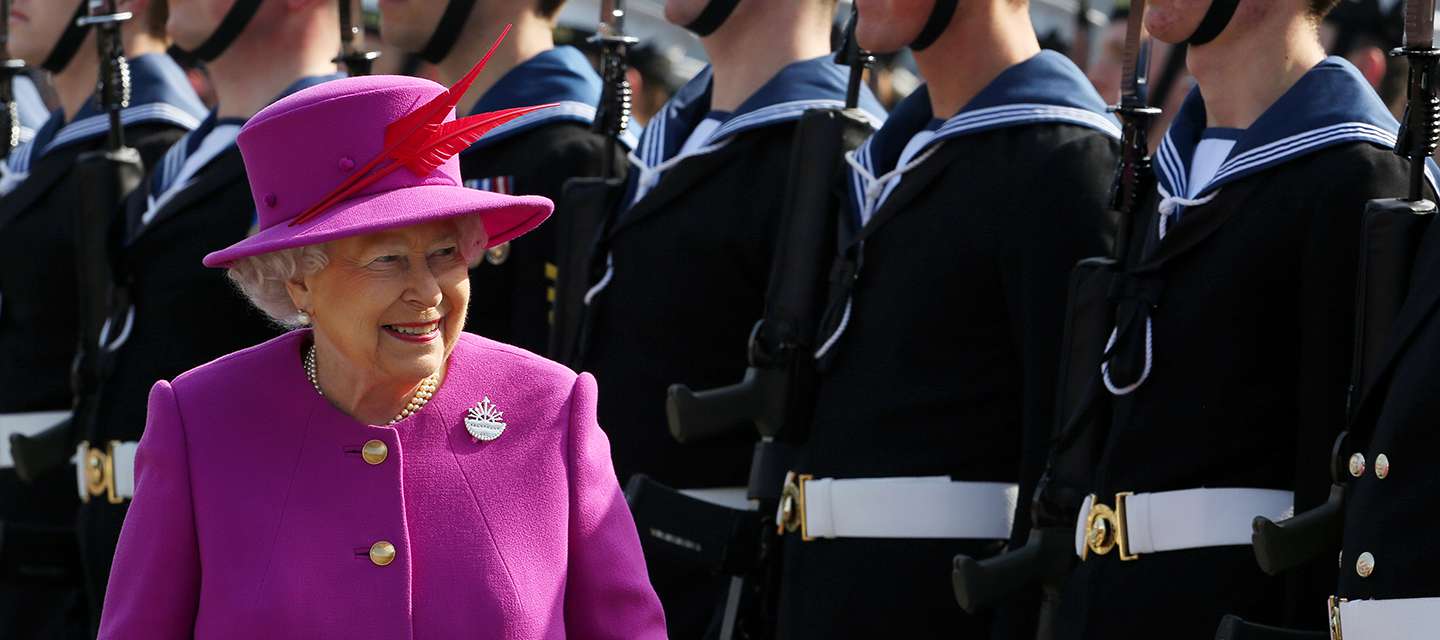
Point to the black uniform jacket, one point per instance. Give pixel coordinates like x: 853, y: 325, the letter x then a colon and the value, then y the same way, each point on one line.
x: 689, y: 264
x: 512, y: 290
x: 945, y: 364
x: 1252, y: 310
x: 1393, y: 516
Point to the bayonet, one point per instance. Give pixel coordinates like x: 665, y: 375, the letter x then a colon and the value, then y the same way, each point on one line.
x: 356, y: 61
x: 1419, y: 133
x: 1135, y: 69
x: 1133, y: 176
x: 612, y: 115
x: 113, y: 88
x: 1420, y: 24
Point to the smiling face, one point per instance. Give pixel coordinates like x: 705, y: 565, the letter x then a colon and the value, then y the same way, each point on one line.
x: 35, y: 27
x: 391, y: 303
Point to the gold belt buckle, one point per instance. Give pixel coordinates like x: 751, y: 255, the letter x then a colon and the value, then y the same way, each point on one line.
x: 792, y: 506
x: 1335, y: 631
x: 1105, y: 529
x: 100, y: 472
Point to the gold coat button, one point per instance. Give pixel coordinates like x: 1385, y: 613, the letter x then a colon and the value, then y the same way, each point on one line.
x: 374, y: 452
x: 1357, y: 465
x: 1365, y: 565
x: 382, y: 553
x: 1382, y: 466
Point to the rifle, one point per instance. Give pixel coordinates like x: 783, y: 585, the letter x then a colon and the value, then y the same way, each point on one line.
x: 110, y: 174
x: 590, y: 200
x: 1049, y: 553
x: 357, y: 62
x: 776, y: 395
x: 1390, y: 238
x: 9, y: 68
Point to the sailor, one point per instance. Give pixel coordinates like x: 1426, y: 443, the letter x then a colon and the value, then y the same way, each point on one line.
x: 1226, y: 380
x: 967, y: 211
x: 194, y: 200
x: 40, y: 592
x: 513, y: 290
x: 684, y: 262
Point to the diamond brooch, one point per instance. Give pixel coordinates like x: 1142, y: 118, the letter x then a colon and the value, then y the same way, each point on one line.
x: 484, y: 422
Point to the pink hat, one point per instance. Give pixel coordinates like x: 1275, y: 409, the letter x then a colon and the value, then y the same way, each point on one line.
x: 359, y: 155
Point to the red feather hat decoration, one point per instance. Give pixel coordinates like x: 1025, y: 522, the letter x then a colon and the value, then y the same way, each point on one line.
x: 422, y: 140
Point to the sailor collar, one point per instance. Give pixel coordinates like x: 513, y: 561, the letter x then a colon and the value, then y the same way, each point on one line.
x: 562, y: 76
x: 817, y: 83
x: 1047, y: 88
x: 159, y: 93
x: 1331, y: 104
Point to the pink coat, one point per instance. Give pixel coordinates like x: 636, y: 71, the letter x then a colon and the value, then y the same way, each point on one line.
x: 255, y: 511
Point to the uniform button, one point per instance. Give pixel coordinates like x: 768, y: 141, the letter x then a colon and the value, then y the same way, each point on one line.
x: 1357, y: 465
x: 1382, y: 466
x: 382, y: 553
x: 1364, y: 566
x: 374, y: 452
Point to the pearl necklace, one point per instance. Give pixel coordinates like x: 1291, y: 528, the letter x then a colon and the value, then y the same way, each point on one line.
x: 422, y: 395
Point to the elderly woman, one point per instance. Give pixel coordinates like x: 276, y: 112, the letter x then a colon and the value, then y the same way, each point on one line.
x: 375, y: 473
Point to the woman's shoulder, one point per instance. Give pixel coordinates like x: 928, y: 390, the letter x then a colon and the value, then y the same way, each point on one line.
x: 482, y: 355
x: 250, y: 367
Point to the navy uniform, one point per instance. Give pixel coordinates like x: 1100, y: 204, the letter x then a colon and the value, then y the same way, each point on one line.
x: 38, y: 314
x: 938, y: 360
x: 512, y: 290
x: 1230, y: 362
x: 172, y: 313
x: 685, y: 262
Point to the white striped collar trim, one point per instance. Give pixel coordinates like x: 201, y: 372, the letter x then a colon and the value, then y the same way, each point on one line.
x: 653, y: 142
x: 1173, y: 173
x: 98, y: 124
x: 973, y: 122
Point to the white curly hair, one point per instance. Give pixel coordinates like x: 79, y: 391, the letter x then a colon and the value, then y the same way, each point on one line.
x: 262, y: 277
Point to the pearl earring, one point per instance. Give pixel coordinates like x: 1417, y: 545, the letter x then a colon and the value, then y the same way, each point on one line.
x: 303, y: 318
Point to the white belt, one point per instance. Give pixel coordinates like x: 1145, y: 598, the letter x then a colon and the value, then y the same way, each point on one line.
x: 923, y: 507
x: 1399, y: 619
x: 108, y: 472
x: 1174, y: 520
x: 733, y: 497
x: 28, y: 424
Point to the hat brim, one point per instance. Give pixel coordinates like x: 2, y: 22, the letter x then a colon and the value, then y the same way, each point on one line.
x: 505, y: 217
